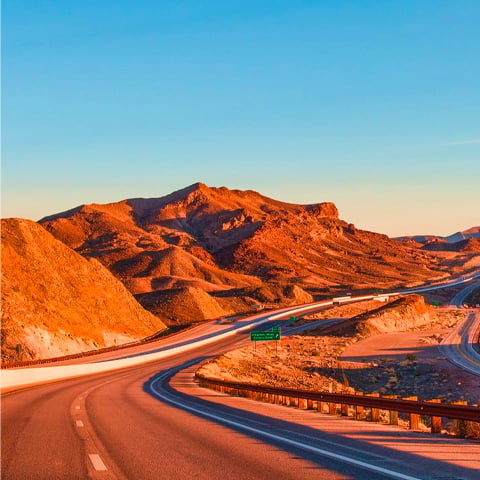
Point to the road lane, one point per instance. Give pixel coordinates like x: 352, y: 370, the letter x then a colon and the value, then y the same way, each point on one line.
x: 424, y: 454
x: 136, y: 436
x: 458, y: 345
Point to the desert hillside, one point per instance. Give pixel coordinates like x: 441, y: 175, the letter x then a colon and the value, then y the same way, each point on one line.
x: 235, y: 243
x: 56, y: 302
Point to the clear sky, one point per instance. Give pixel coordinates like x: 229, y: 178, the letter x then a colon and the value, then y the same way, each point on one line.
x: 372, y: 105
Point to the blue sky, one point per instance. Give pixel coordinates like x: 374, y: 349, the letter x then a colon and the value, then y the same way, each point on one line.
x: 372, y: 105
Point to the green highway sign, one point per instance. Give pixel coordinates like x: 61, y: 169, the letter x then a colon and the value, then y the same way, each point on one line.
x: 292, y: 319
x: 264, y: 336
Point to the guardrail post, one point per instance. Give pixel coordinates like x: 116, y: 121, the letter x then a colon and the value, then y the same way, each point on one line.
x: 436, y: 421
x: 413, y: 417
x: 310, y: 404
x: 358, y: 408
x: 344, y: 409
x: 393, y: 414
x: 461, y: 426
x: 332, y: 408
x: 374, y: 412
x: 302, y: 403
x: 320, y: 406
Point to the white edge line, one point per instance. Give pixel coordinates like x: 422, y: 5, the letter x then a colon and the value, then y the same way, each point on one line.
x: 289, y: 441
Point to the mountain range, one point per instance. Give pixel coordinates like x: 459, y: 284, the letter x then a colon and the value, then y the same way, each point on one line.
x: 201, y: 252
x: 78, y: 280
x: 454, y: 238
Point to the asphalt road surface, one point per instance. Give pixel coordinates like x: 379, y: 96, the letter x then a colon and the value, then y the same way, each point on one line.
x: 458, y: 345
x: 131, y: 424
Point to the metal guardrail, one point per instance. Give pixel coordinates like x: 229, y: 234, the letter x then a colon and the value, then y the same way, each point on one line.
x: 432, y: 408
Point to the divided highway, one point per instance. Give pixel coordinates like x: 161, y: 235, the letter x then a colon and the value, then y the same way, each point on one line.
x: 129, y: 423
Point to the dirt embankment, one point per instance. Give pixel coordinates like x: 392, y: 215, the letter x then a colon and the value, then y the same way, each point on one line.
x: 314, y: 360
x: 55, y: 302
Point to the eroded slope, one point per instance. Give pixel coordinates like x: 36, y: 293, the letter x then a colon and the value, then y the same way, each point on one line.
x: 55, y: 302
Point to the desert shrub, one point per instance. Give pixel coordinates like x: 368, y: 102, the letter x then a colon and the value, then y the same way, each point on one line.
x: 463, y: 428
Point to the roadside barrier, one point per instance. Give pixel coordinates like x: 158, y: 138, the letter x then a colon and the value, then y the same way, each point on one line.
x: 152, y: 338
x: 280, y: 314
x: 340, y: 403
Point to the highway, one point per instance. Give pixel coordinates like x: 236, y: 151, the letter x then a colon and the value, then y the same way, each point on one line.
x: 129, y: 423
x: 133, y: 424
x: 458, y: 345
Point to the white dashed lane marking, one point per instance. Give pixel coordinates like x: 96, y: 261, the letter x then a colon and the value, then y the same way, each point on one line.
x: 79, y: 423
x: 77, y: 407
x: 97, y: 462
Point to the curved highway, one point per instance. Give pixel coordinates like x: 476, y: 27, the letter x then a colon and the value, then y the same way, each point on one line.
x: 131, y: 424
x: 458, y: 345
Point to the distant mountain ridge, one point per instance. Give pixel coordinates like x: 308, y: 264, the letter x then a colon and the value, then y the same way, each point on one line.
x: 459, y: 241
x: 473, y: 232
x: 237, y: 246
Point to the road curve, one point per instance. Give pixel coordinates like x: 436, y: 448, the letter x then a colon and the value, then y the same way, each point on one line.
x: 458, y: 345
x: 110, y: 426
x: 132, y: 424
x: 129, y: 424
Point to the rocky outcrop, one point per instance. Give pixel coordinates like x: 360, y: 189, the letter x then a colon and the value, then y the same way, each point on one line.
x: 405, y: 314
x: 326, y: 209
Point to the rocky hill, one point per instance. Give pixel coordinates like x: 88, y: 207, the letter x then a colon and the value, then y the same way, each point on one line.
x: 56, y: 302
x: 471, y: 244
x: 237, y: 244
